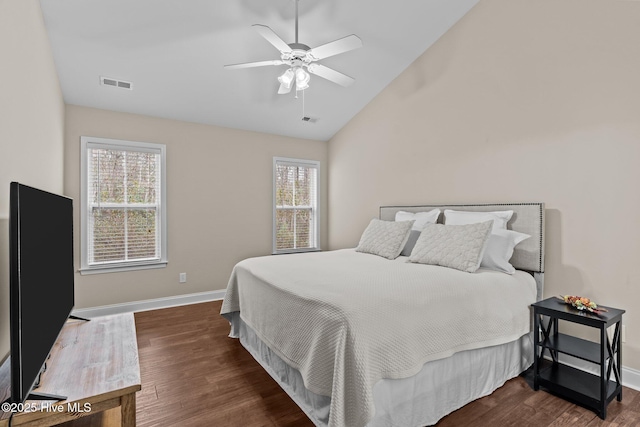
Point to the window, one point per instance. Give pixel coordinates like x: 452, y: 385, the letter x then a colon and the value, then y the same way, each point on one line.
x: 123, y: 205
x: 295, y: 205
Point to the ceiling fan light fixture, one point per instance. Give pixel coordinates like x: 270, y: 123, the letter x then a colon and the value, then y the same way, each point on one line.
x: 302, y: 79
x: 300, y: 59
x: 287, y: 78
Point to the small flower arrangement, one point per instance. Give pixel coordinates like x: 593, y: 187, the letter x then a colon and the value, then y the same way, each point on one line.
x: 582, y: 303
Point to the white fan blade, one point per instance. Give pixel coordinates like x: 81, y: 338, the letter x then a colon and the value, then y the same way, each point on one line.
x: 283, y: 89
x: 335, y: 47
x: 272, y: 38
x: 254, y: 64
x: 331, y: 74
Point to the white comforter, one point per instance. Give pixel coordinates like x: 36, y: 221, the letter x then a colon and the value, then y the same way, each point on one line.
x: 346, y: 319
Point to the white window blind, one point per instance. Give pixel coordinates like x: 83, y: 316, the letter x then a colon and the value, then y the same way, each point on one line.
x: 123, y: 204
x: 295, y: 205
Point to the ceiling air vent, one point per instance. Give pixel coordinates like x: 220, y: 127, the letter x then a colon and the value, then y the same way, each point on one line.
x: 108, y: 81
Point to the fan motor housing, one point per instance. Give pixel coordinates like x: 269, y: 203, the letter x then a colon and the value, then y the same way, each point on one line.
x: 299, y: 46
x: 298, y: 55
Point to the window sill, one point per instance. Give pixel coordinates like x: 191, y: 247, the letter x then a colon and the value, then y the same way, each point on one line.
x: 116, y: 269
x: 296, y: 251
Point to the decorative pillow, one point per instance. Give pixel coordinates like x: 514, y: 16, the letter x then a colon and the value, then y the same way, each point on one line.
x: 421, y: 219
x: 456, y: 246
x: 385, y: 238
x: 411, y: 242
x: 499, y: 218
x: 500, y: 249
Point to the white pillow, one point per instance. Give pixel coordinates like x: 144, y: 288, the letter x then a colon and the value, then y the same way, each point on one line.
x: 421, y: 218
x: 499, y: 218
x: 384, y: 238
x: 455, y: 246
x: 500, y: 249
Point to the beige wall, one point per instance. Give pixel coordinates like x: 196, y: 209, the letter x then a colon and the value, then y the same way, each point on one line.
x: 520, y: 101
x: 219, y: 200
x: 31, y: 121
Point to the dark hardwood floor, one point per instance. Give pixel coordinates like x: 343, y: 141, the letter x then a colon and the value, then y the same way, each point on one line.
x: 194, y: 375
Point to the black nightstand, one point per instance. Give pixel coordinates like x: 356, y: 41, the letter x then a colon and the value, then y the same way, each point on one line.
x: 592, y: 391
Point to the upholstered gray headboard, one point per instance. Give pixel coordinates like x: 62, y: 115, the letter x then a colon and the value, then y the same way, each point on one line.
x: 527, y: 218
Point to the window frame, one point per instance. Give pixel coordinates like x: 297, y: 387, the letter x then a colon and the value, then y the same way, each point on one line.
x: 316, y: 226
x: 87, y: 143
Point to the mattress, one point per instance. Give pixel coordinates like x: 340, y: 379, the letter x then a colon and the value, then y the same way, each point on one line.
x: 346, y: 320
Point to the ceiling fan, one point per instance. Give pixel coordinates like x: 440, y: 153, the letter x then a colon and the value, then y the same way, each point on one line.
x: 301, y: 59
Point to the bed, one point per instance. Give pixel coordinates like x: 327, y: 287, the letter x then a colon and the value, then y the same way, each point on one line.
x: 356, y: 339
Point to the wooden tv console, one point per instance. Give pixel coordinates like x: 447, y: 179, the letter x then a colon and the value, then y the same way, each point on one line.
x: 94, y: 364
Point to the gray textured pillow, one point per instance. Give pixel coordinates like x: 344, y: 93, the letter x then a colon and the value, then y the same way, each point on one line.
x: 455, y: 246
x: 384, y: 238
x: 411, y: 242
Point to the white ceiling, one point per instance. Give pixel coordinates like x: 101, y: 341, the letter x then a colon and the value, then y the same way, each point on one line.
x: 173, y: 51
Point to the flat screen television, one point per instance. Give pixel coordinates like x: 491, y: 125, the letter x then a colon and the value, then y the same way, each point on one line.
x: 41, y: 282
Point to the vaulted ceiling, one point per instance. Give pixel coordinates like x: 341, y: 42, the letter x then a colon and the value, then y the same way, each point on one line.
x: 173, y: 52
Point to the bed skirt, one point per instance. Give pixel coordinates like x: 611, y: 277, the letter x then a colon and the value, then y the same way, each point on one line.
x: 441, y: 387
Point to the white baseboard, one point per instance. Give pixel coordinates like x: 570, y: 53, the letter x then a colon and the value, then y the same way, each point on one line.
x: 630, y: 376
x: 150, y: 304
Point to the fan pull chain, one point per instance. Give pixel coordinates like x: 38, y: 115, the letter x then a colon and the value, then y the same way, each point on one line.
x: 303, y: 116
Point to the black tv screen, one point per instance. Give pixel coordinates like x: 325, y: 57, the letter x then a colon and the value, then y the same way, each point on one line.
x: 41, y: 280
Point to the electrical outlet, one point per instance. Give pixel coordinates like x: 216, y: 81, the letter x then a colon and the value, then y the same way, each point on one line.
x: 624, y: 333
x: 183, y: 277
